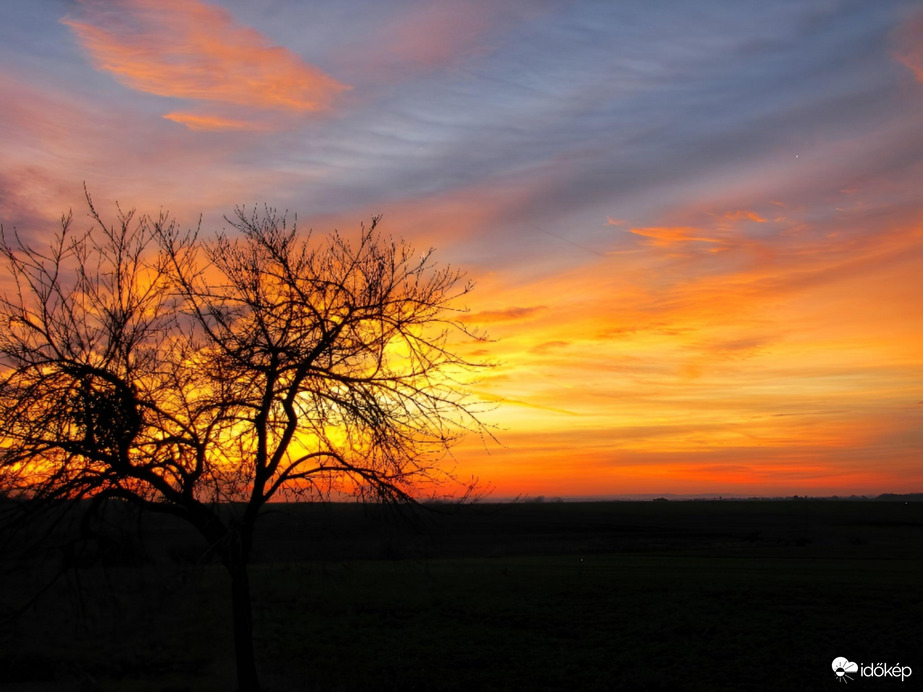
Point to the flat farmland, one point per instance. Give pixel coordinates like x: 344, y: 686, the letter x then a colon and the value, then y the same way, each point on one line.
x: 725, y: 595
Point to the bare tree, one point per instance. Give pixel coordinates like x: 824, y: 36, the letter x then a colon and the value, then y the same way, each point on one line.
x: 201, y: 378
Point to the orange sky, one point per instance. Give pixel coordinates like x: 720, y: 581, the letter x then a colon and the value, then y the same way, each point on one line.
x: 696, y: 234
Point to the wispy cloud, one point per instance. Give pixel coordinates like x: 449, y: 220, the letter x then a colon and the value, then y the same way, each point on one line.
x: 401, y: 41
x: 212, y: 122
x: 743, y: 215
x: 909, y: 39
x: 192, y: 50
x: 512, y: 314
x: 696, y: 228
x: 667, y: 237
x: 438, y: 33
x: 550, y: 346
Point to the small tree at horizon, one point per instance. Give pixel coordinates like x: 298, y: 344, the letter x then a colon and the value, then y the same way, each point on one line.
x: 143, y: 363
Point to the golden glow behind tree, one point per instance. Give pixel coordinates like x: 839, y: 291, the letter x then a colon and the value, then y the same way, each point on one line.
x: 143, y: 363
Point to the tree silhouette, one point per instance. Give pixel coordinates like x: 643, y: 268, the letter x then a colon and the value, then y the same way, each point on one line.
x: 202, y: 377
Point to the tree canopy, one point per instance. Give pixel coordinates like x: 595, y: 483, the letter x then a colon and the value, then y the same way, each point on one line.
x: 147, y: 363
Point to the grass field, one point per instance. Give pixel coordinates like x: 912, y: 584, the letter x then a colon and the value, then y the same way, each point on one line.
x: 583, y: 596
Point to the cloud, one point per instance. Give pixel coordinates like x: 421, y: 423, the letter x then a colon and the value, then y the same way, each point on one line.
x: 398, y: 42
x: 505, y: 315
x: 211, y: 122
x: 656, y: 328
x: 29, y: 202
x: 549, y: 346
x: 909, y: 40
x: 662, y: 236
x: 744, y: 215
x: 436, y: 34
x: 192, y: 50
x: 741, y: 347
x: 57, y: 140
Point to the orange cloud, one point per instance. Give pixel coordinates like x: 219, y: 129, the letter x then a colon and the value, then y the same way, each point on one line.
x: 211, y: 122
x: 787, y: 364
x: 744, y: 215
x: 505, y: 315
x: 189, y: 49
x: 550, y: 346
x: 909, y: 39
x: 662, y: 236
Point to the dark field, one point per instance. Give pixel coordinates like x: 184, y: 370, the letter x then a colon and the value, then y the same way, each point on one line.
x: 755, y: 595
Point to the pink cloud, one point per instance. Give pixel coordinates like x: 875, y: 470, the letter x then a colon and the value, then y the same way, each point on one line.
x: 909, y: 39
x: 55, y: 140
x: 438, y: 33
x: 192, y: 50
x: 424, y: 37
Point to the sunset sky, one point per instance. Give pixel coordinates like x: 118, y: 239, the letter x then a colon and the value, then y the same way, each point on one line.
x: 696, y: 228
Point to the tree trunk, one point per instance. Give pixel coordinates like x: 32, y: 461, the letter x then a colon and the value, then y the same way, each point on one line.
x: 238, y: 551
x: 243, y: 630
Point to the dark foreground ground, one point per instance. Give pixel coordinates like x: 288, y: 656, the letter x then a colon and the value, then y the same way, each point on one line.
x: 586, y: 596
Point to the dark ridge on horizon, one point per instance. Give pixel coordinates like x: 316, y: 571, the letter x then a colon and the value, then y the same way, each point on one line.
x: 704, y: 497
